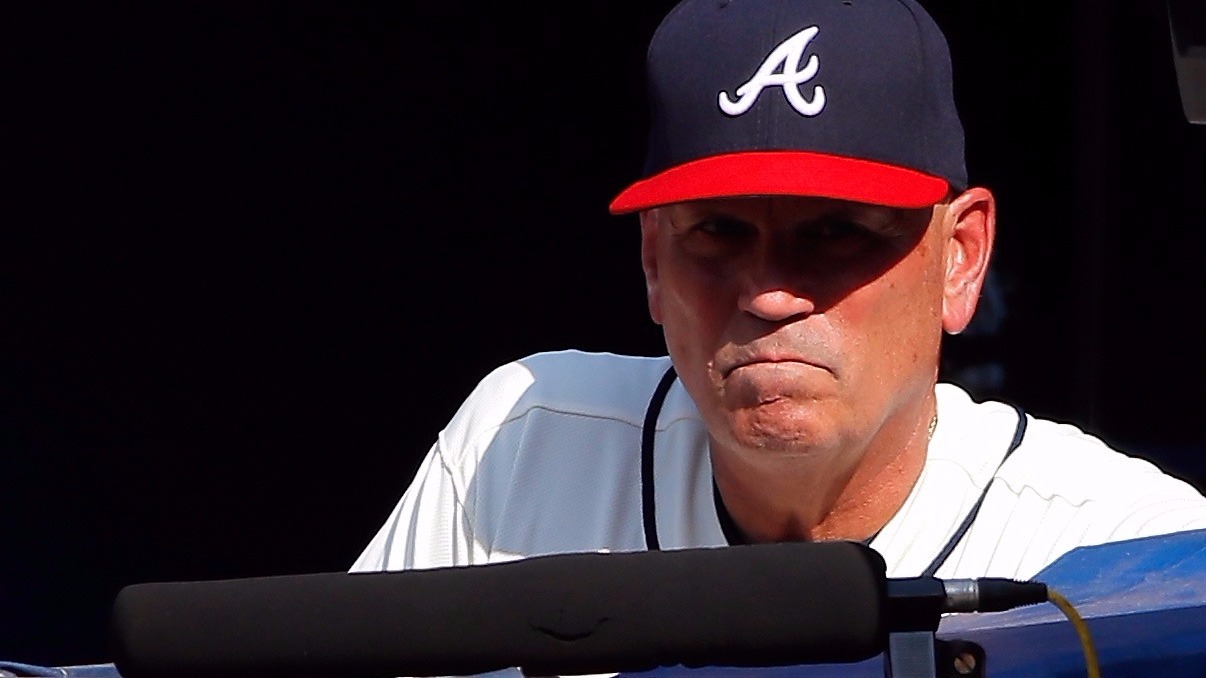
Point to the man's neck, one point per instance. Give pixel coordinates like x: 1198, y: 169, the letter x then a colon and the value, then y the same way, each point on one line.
x: 795, y: 499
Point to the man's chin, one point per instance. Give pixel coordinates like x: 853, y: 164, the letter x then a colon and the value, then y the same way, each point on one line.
x: 783, y: 426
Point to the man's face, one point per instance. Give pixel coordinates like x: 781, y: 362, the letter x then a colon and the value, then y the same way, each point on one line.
x: 798, y: 325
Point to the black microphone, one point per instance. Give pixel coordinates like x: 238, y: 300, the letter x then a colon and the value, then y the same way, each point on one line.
x: 743, y: 606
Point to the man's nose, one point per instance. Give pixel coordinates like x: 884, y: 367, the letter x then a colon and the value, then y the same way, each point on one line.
x: 773, y: 287
x: 776, y: 304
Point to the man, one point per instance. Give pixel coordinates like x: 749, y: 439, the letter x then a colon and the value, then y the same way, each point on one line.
x: 808, y: 234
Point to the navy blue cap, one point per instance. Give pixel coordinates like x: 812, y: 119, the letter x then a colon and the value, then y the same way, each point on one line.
x: 848, y: 99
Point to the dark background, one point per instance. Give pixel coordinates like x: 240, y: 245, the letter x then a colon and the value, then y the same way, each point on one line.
x: 255, y: 254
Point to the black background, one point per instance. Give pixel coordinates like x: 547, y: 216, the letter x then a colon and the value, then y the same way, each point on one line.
x: 255, y: 254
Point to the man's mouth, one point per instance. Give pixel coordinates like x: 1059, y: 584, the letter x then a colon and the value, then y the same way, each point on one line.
x: 773, y: 359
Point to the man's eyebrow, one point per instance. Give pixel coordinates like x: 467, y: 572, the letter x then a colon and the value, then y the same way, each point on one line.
x: 877, y: 216
x: 694, y: 219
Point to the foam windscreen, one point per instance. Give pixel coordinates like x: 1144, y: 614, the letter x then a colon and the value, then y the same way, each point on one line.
x: 756, y: 605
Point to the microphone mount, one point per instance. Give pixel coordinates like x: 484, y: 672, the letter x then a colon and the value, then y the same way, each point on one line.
x: 915, y: 608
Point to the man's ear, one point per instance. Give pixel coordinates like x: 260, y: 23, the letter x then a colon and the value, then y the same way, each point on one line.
x: 649, y: 233
x: 971, y: 225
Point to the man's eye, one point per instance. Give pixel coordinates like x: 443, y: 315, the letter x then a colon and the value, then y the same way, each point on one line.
x: 724, y: 228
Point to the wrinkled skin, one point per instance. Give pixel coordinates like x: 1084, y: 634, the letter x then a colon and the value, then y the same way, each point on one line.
x: 807, y: 330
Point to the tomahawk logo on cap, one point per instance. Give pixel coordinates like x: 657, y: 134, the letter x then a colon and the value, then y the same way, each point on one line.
x: 848, y: 99
x: 782, y: 69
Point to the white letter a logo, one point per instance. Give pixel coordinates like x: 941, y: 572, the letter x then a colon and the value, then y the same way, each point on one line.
x: 788, y: 54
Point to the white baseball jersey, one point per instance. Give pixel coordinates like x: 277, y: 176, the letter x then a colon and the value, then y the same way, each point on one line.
x: 545, y: 457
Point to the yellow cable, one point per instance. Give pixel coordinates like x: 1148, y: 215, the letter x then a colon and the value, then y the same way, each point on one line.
x: 1082, y: 631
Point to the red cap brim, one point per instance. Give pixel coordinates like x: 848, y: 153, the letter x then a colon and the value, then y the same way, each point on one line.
x: 784, y: 173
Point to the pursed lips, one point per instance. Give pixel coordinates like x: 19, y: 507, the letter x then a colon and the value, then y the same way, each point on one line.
x: 758, y: 359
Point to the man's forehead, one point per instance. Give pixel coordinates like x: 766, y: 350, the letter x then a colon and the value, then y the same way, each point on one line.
x: 784, y: 207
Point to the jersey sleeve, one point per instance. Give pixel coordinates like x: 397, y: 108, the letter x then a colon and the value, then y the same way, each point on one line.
x: 435, y: 522
x: 428, y: 528
x: 1168, y: 505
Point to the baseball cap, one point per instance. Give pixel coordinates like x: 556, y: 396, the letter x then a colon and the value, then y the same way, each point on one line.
x: 849, y: 99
